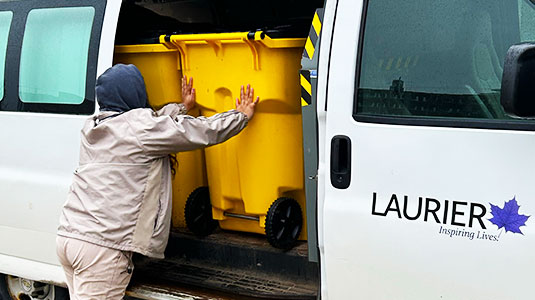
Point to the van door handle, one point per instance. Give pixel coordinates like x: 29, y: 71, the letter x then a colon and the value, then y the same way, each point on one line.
x: 341, y: 161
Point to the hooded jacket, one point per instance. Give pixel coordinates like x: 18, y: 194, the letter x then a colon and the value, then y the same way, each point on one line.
x: 120, y: 196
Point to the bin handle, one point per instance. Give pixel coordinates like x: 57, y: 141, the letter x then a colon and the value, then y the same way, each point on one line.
x: 216, y: 41
x: 254, y: 51
x: 182, y: 50
x: 237, y: 36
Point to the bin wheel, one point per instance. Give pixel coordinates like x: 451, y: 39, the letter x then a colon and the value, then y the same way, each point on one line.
x: 283, y: 223
x: 198, y: 212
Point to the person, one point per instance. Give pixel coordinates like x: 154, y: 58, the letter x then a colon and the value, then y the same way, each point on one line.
x: 120, y: 198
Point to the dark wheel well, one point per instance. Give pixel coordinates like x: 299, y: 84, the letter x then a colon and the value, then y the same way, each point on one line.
x: 59, y: 292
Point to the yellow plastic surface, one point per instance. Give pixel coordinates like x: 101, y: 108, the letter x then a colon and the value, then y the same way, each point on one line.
x: 190, y: 175
x: 160, y: 68
x: 250, y: 171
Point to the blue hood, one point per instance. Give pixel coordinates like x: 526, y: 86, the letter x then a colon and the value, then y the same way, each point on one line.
x: 121, y: 88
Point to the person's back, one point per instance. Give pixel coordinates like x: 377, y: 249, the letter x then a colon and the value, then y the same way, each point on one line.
x: 120, y: 198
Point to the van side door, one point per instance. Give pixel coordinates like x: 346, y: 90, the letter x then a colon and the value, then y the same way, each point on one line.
x: 427, y: 182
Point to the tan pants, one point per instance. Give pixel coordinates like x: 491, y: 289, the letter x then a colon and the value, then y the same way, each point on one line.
x: 94, y: 272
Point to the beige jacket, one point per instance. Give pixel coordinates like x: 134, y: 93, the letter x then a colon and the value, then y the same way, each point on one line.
x: 121, y: 192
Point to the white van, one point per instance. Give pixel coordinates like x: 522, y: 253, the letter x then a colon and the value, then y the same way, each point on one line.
x: 424, y: 177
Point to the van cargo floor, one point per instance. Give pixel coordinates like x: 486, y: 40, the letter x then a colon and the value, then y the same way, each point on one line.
x: 232, y: 263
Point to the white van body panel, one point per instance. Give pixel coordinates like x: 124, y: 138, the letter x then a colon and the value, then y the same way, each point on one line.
x: 339, y: 99
x: 107, y: 39
x: 323, y: 76
x: 38, y: 156
x: 25, y: 268
x: 367, y: 256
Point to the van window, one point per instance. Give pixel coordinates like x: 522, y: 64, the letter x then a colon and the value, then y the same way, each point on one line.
x: 5, y: 25
x: 439, y: 59
x: 54, y: 55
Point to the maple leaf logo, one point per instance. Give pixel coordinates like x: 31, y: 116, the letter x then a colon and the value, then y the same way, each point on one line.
x: 508, y: 217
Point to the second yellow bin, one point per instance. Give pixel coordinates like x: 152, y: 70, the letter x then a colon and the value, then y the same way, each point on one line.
x: 256, y: 178
x: 162, y: 73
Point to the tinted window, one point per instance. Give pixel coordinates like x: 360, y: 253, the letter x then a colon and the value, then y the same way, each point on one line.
x: 5, y: 25
x: 54, y: 55
x: 439, y: 59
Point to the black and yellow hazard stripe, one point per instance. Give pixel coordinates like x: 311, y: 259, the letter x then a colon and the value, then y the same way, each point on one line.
x: 306, y: 88
x: 314, y: 34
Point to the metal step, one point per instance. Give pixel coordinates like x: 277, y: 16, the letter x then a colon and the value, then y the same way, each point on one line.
x: 139, y: 291
x: 229, y: 264
x: 243, y: 251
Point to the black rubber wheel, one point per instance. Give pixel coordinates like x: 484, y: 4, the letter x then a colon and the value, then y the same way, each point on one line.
x: 37, y: 290
x: 198, y: 212
x: 284, y: 221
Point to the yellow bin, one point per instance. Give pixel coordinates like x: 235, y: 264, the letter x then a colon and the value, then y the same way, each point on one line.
x: 256, y: 178
x: 161, y: 71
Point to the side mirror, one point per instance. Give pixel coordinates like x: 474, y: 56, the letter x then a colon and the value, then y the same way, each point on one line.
x: 518, y: 81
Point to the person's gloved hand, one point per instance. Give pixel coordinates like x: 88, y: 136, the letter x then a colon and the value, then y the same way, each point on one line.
x: 188, y: 93
x: 246, y: 105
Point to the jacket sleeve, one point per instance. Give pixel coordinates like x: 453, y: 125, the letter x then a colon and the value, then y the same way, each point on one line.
x: 162, y: 135
x: 172, y: 110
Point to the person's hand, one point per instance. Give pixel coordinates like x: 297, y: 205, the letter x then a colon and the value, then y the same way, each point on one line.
x: 246, y: 104
x: 188, y: 93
